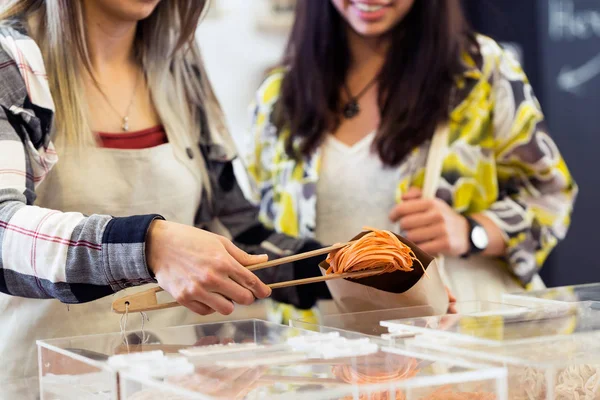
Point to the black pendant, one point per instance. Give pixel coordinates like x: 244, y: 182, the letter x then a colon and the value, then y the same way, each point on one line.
x: 351, y: 109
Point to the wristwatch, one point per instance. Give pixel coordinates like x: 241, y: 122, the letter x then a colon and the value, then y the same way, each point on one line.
x: 478, y: 238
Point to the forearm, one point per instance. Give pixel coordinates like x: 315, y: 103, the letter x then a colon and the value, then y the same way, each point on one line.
x: 530, y: 232
x: 68, y: 256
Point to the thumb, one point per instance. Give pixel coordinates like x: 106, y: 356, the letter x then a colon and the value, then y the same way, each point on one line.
x: 451, y: 297
x: 412, y: 194
x: 241, y: 256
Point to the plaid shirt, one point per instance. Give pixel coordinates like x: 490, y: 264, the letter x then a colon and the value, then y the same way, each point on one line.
x: 77, y: 258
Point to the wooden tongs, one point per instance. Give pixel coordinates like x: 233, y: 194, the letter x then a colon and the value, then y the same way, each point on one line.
x: 148, y: 301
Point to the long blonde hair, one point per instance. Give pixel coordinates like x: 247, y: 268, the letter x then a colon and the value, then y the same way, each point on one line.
x: 165, y: 46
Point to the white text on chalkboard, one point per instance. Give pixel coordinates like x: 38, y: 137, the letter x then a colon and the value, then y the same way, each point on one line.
x: 566, y: 23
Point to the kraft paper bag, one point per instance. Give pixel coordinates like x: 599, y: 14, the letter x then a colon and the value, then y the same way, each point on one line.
x: 392, y: 290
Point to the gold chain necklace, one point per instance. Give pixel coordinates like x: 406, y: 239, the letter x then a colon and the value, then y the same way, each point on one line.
x: 124, y: 118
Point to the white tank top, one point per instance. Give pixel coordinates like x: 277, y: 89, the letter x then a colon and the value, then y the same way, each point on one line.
x: 354, y: 189
x: 101, y: 181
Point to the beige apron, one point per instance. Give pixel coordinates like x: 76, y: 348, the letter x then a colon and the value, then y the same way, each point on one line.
x: 473, y: 278
x: 102, y: 181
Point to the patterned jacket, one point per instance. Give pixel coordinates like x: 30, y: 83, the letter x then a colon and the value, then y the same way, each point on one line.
x: 500, y: 161
x: 77, y: 258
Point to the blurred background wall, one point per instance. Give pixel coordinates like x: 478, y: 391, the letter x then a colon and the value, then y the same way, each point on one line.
x: 240, y: 40
x: 558, y: 42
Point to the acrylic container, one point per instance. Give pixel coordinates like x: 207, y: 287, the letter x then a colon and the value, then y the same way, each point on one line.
x: 570, y: 294
x: 369, y: 322
x: 79, y: 368
x: 279, y: 372
x: 550, y: 353
x: 498, y: 328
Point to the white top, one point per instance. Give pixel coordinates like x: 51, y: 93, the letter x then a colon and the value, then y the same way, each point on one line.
x: 347, y: 173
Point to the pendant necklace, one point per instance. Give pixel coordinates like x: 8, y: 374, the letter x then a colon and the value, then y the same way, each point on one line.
x: 124, y: 118
x: 351, y: 108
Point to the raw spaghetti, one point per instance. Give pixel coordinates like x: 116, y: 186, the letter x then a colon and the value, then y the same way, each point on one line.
x: 580, y: 382
x: 375, y: 371
x: 369, y: 375
x: 376, y: 249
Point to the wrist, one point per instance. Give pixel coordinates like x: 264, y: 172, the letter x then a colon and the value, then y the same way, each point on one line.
x: 466, y: 242
x: 477, y: 237
x: 153, y: 238
x: 498, y: 239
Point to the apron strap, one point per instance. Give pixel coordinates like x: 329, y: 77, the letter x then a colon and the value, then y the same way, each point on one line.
x: 435, y: 159
x: 433, y: 174
x: 433, y: 168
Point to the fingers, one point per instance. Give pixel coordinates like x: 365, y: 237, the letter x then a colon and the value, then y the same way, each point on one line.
x: 240, y: 255
x: 410, y: 207
x: 232, y: 281
x: 451, y: 297
x: 204, y: 271
x: 420, y: 220
x: 425, y: 234
x: 412, y: 194
x: 236, y: 292
x: 452, y: 309
x: 435, y: 247
x: 210, y: 291
x: 250, y: 281
x: 217, y: 302
x: 199, y: 308
x: 241, y: 275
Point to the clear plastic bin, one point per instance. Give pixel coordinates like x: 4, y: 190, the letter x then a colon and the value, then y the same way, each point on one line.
x: 550, y: 354
x: 499, y: 328
x: 389, y: 373
x: 571, y: 294
x: 553, y: 368
x: 78, y: 368
x: 369, y: 322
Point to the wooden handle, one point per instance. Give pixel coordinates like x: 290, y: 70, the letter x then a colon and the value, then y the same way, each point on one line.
x: 142, y: 301
x: 347, y: 275
x: 297, y: 257
x: 147, y: 301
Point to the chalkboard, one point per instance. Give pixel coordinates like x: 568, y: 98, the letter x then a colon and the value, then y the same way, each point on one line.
x: 511, y: 22
x: 569, y: 40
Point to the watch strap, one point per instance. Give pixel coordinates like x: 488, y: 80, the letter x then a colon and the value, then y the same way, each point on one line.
x: 473, y: 249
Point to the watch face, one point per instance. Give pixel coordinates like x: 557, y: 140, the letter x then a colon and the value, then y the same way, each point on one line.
x: 479, y: 237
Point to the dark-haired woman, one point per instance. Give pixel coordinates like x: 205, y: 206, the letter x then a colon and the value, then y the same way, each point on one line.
x: 342, y: 135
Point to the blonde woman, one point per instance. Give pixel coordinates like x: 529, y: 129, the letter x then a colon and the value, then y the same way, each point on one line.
x: 118, y: 86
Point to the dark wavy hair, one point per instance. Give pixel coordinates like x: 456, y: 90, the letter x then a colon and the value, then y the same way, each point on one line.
x: 415, y: 83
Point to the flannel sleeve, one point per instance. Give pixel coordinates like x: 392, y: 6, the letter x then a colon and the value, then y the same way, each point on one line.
x: 50, y: 254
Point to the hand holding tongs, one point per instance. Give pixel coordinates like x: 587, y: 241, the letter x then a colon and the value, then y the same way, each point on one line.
x: 148, y: 301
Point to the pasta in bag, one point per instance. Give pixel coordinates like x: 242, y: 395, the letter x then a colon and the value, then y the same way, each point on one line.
x: 416, y: 286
